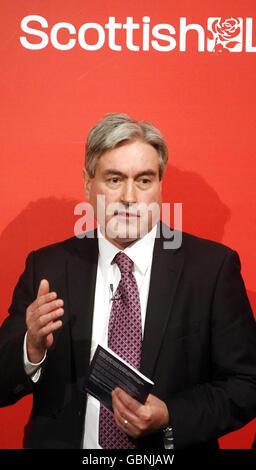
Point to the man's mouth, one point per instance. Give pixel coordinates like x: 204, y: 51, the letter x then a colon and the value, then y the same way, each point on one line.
x: 127, y: 215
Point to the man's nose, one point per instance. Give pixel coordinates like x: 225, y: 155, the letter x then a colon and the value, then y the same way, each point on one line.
x: 128, y: 192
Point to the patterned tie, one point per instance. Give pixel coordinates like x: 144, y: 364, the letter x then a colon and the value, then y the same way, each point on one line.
x: 124, y: 338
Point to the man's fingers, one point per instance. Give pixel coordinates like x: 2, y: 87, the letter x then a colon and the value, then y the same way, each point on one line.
x: 142, y: 419
x: 49, y: 328
x: 43, y: 296
x: 46, y: 314
x: 49, y: 307
x: 129, y: 428
x: 126, y: 400
x: 125, y: 407
x: 44, y: 288
x: 133, y: 427
x: 44, y: 326
x: 49, y: 317
x: 44, y: 299
x: 42, y: 319
x: 45, y: 310
x: 44, y: 304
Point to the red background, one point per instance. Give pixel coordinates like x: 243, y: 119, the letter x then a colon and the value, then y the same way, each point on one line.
x: 203, y: 102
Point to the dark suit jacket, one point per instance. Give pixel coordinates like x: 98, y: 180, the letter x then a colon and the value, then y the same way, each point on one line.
x: 199, y: 343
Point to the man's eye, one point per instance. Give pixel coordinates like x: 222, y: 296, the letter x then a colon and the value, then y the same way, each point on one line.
x: 114, y: 180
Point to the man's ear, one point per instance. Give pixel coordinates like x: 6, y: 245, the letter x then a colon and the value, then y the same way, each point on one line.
x: 87, y: 184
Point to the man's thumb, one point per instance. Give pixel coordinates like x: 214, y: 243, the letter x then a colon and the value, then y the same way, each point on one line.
x: 44, y: 288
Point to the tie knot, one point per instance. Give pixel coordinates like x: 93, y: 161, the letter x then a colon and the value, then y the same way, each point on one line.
x: 124, y: 263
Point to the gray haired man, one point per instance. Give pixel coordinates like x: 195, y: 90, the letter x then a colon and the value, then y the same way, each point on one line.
x: 198, y: 341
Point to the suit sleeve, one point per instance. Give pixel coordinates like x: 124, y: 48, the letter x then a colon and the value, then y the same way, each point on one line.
x: 228, y: 400
x: 14, y: 382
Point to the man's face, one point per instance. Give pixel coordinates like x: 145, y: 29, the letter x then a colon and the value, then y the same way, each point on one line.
x: 127, y: 181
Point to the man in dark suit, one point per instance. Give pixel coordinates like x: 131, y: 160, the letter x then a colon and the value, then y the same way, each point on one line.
x: 199, y: 341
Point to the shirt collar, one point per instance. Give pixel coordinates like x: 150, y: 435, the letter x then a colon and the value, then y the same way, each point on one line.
x: 140, y: 252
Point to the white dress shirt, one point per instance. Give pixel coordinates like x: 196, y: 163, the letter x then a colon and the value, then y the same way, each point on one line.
x: 140, y: 252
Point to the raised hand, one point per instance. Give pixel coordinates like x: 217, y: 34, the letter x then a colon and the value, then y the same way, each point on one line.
x: 42, y: 319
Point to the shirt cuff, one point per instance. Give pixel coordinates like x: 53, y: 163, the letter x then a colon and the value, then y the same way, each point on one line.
x: 32, y: 370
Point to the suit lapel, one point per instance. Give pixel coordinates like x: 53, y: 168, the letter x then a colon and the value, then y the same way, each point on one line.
x: 166, y: 270
x: 82, y: 271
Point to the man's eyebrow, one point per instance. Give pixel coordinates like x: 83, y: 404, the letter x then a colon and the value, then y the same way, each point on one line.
x: 112, y: 171
x: 146, y: 173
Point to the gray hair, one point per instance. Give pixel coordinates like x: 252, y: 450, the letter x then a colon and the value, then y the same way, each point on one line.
x: 117, y: 129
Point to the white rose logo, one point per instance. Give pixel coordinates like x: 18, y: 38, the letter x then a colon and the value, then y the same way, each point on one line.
x: 225, y: 34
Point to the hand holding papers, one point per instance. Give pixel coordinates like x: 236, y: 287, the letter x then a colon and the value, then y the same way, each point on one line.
x: 108, y: 371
